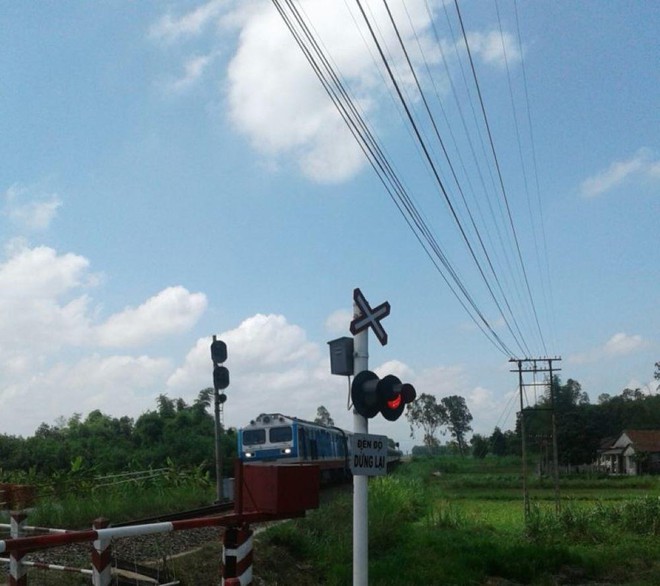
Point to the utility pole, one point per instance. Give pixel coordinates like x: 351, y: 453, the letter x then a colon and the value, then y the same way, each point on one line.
x: 524, y: 442
x: 521, y: 386
x: 555, y: 456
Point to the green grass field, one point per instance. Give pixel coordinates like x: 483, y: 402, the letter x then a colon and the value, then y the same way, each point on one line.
x: 452, y: 521
x: 435, y: 521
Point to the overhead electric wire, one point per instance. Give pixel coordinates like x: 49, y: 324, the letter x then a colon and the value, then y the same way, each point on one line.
x: 425, y: 148
x: 370, y: 145
x: 516, y: 124
x: 393, y: 185
x: 499, y: 174
x: 550, y: 309
x: 519, y: 337
x: 468, y: 135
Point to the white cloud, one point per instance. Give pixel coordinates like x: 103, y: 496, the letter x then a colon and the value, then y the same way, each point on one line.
x: 623, y: 343
x: 397, y: 368
x: 42, y: 306
x: 338, y: 322
x: 48, y: 341
x: 275, y: 99
x: 29, y: 210
x: 40, y: 272
x: 642, y: 165
x: 273, y: 368
x: 620, y: 344
x: 272, y: 94
x: 173, y: 310
x: 170, y: 28
x: 112, y: 384
x: 193, y: 70
x: 260, y: 344
x: 494, y: 48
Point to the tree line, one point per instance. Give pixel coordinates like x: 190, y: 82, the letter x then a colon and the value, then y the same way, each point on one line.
x: 175, y: 432
x: 582, y: 427
x: 183, y: 434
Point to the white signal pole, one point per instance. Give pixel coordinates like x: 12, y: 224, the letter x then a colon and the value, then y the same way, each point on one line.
x: 360, y: 483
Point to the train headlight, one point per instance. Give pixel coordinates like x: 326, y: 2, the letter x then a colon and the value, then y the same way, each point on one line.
x: 287, y: 450
x: 249, y: 455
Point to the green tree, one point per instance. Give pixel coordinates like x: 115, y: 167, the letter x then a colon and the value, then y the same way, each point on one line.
x: 427, y: 414
x: 498, y: 442
x: 204, y: 398
x: 323, y: 417
x: 480, y: 445
x: 458, y: 419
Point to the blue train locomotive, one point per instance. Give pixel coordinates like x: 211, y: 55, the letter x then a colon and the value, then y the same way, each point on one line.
x: 276, y: 438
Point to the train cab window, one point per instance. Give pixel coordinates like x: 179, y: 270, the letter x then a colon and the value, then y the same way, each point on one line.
x: 280, y: 434
x: 254, y: 437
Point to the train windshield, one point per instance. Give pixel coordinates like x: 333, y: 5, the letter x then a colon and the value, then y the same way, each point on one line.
x: 253, y: 437
x: 280, y: 434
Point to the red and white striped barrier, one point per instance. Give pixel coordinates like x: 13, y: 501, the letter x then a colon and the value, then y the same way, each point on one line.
x: 238, y: 551
x: 101, y: 556
x: 47, y: 541
x: 45, y: 566
x: 33, y: 529
x: 17, y: 570
x: 237, y: 556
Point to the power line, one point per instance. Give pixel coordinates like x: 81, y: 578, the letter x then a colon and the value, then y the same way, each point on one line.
x: 520, y: 340
x: 360, y: 130
x: 499, y: 174
x: 338, y: 91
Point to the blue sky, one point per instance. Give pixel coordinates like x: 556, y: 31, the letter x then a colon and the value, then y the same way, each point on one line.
x: 174, y: 170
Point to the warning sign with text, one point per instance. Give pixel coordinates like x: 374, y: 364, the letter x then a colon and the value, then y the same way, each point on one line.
x: 368, y: 454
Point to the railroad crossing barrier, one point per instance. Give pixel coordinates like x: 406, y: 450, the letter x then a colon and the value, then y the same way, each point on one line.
x: 17, y: 570
x: 17, y: 547
x: 237, y: 556
x: 265, y: 493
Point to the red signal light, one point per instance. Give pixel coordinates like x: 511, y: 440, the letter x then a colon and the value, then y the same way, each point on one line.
x: 394, y: 403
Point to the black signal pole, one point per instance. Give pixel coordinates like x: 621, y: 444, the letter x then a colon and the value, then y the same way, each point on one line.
x: 220, y: 382
x: 218, y: 443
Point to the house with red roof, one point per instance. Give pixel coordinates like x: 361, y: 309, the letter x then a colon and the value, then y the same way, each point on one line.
x: 633, y: 452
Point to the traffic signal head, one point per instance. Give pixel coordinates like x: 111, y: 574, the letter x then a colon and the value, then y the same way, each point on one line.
x: 220, y: 378
x: 218, y: 351
x: 364, y: 394
x: 395, y: 396
x: 371, y: 395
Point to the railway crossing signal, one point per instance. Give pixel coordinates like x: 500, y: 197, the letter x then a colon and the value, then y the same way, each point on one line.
x: 397, y: 396
x: 368, y: 317
x: 220, y: 382
x: 388, y: 396
x: 220, y: 373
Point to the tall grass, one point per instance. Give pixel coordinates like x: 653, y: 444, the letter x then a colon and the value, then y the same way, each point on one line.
x: 441, y: 522
x: 75, y: 502
x: 131, y: 502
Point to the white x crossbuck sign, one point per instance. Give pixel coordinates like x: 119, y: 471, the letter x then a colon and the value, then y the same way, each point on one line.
x: 369, y: 317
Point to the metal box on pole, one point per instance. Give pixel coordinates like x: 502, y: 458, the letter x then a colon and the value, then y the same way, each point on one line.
x: 341, y: 356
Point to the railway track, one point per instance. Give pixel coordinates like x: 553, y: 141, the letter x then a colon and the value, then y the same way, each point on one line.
x: 206, y: 511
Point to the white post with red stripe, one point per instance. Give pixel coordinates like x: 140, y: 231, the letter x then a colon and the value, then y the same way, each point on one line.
x: 17, y: 570
x: 101, y: 554
x: 237, y: 556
